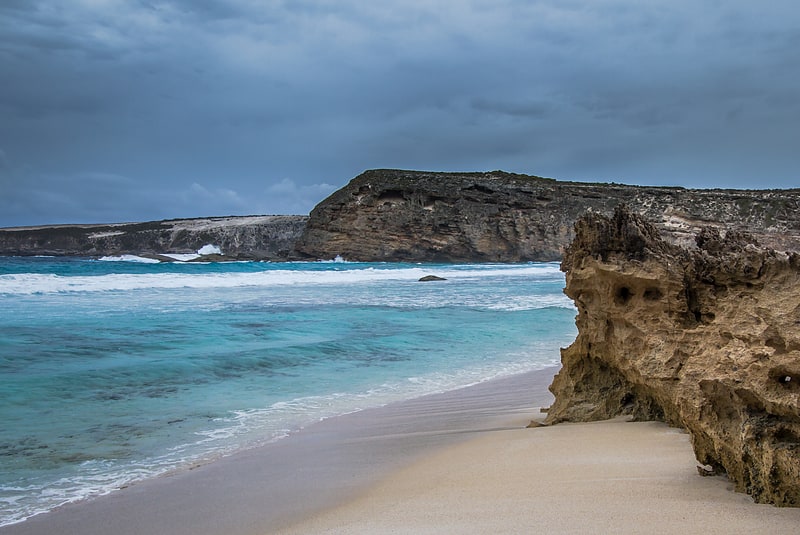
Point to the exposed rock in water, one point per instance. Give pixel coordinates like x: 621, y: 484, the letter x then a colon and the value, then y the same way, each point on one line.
x: 249, y: 237
x: 392, y: 215
x: 705, y: 338
x: 429, y: 278
x: 212, y: 258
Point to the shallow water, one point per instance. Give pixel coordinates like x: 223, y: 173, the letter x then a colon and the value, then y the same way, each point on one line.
x: 117, y: 371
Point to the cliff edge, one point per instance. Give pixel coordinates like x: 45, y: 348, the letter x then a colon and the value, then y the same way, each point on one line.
x: 706, y: 338
x: 270, y: 237
x: 418, y: 216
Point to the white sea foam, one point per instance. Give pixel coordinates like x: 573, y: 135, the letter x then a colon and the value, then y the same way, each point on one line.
x: 209, y: 249
x: 129, y: 258
x: 97, y: 478
x: 182, y: 257
x: 284, y: 417
x: 533, y: 302
x: 35, y: 283
x: 243, y: 429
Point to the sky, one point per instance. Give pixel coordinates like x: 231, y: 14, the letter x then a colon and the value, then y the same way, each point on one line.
x: 126, y: 110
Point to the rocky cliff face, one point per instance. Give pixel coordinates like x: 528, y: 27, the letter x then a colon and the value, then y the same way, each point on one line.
x: 257, y: 237
x: 391, y: 215
x: 706, y: 338
x: 386, y: 215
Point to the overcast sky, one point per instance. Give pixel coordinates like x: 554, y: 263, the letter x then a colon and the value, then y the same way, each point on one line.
x: 125, y: 110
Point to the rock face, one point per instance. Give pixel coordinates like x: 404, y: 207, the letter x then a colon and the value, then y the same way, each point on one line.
x: 391, y: 215
x: 257, y: 237
x: 706, y: 338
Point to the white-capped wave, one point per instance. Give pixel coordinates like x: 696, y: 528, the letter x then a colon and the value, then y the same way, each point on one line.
x: 35, y: 283
x: 533, y: 302
x: 182, y: 257
x: 209, y: 249
x: 129, y: 258
x: 338, y: 259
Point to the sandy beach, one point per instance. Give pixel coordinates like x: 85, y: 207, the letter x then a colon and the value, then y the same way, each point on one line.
x: 459, y: 462
x: 605, y: 477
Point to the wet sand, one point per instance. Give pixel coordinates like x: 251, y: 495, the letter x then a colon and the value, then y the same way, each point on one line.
x: 327, y: 464
x: 459, y: 462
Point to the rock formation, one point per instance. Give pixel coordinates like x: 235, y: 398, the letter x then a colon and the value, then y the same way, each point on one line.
x: 705, y: 337
x: 391, y: 215
x: 255, y: 238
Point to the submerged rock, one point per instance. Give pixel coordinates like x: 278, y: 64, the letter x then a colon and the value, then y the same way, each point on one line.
x: 429, y: 278
x: 705, y: 338
x: 212, y: 258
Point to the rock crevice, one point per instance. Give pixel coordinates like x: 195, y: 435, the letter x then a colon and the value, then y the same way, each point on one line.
x: 705, y: 338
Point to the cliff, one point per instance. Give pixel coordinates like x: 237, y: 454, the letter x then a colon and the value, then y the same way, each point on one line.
x: 705, y: 338
x: 392, y: 215
x: 256, y: 237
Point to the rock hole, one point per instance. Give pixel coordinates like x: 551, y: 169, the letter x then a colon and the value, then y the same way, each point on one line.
x: 785, y: 378
x: 627, y: 400
x: 623, y: 295
x: 786, y: 437
x: 391, y: 196
x: 653, y: 294
x: 479, y: 188
x: 776, y: 342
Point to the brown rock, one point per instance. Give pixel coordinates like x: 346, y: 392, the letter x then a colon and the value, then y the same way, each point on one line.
x: 534, y: 424
x: 705, y: 338
x: 417, y: 216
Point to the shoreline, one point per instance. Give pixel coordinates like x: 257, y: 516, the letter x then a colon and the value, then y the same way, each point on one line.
x: 458, y: 462
x: 324, y: 465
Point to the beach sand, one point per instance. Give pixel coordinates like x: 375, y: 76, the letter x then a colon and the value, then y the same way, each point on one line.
x: 459, y: 462
x: 605, y: 477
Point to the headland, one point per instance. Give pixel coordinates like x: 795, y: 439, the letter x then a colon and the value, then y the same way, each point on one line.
x: 416, y: 216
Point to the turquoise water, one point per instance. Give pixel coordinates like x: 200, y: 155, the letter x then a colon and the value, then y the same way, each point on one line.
x: 113, y: 372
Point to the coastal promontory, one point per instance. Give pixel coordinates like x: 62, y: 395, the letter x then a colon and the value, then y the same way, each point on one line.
x: 395, y: 215
x: 703, y: 336
x: 418, y: 216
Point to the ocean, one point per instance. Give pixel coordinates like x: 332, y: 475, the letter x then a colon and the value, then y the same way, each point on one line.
x: 117, y: 370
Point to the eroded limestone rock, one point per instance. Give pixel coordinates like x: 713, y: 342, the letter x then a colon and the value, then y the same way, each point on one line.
x: 704, y: 338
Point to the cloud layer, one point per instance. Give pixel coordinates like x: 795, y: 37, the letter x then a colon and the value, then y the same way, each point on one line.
x: 117, y: 110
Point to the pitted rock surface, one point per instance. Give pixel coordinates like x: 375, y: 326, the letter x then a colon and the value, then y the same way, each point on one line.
x: 705, y: 338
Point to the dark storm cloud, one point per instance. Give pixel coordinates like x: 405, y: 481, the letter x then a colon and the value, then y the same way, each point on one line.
x: 117, y: 110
